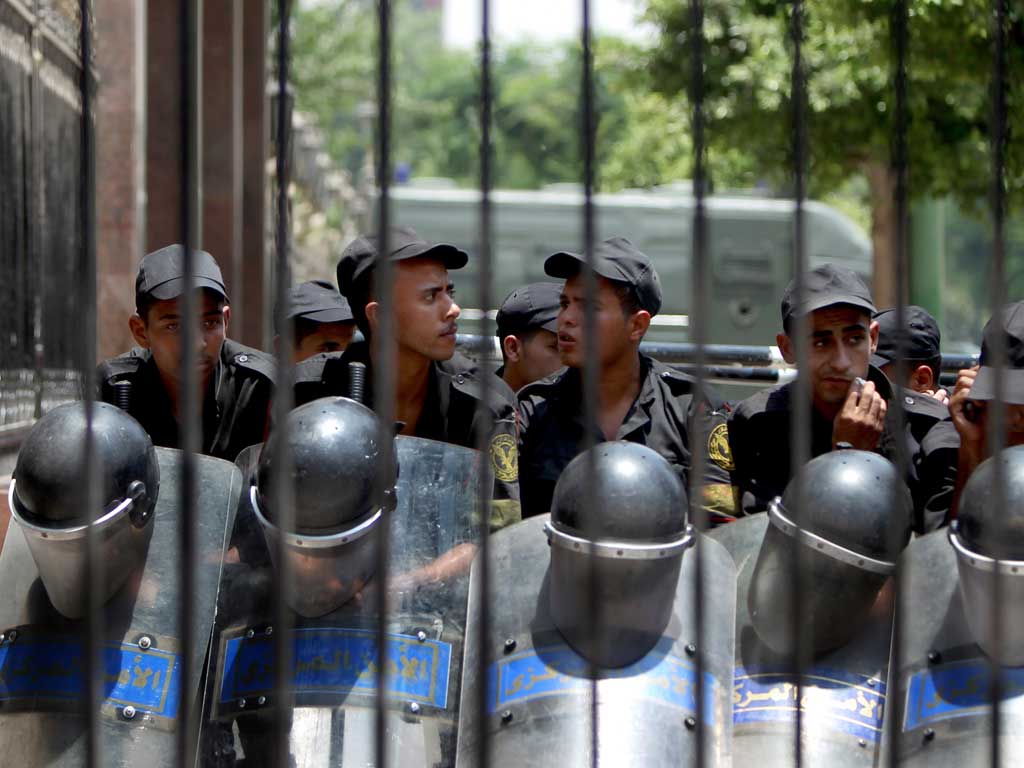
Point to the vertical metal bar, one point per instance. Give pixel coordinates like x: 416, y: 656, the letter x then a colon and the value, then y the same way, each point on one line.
x: 190, y: 397
x: 283, y: 399
x: 899, y: 35
x: 87, y: 284
x: 996, y: 426
x: 699, y: 311
x: 34, y: 207
x: 482, y: 595
x: 590, y: 365
x: 801, y: 425
x: 383, y: 352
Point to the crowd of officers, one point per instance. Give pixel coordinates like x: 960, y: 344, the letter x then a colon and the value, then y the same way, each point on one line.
x: 532, y: 412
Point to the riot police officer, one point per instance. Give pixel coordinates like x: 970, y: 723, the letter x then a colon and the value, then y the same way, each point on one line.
x: 439, y: 393
x: 833, y: 536
x: 849, y: 402
x: 236, y: 381
x: 527, y: 330
x: 639, y: 399
x: 322, y: 320
x: 598, y: 612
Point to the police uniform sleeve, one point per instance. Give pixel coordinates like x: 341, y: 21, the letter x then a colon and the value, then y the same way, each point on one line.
x: 719, y: 499
x: 503, y: 452
x: 936, y: 473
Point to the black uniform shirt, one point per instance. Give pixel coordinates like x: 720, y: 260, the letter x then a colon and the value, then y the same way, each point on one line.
x: 451, y: 413
x: 235, y: 409
x: 759, y: 433
x: 553, y: 431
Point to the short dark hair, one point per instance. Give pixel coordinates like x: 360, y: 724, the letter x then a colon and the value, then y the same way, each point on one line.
x: 524, y: 338
x: 145, y: 302
x: 627, y: 297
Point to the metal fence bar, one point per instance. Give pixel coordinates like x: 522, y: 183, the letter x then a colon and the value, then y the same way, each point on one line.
x: 190, y: 403
x: 482, y: 596
x: 801, y: 424
x: 87, y: 284
x: 283, y: 400
x: 900, y: 161
x: 383, y: 350
x: 698, y: 452
x: 591, y: 372
x: 997, y: 420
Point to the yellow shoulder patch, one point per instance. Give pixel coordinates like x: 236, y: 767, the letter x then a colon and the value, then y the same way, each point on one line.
x: 718, y: 448
x: 505, y: 458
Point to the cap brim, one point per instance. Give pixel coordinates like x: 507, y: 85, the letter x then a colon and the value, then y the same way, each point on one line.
x: 331, y: 315
x: 984, y: 386
x: 449, y: 255
x: 878, y: 361
x: 821, y: 302
x: 172, y: 289
x: 565, y: 265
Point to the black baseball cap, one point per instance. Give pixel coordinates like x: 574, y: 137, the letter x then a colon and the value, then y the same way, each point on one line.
x: 162, y: 274
x: 319, y: 302
x: 920, y: 342
x: 1008, y: 323
x: 528, y: 307
x: 618, y: 260
x: 826, y: 286
x: 361, y: 254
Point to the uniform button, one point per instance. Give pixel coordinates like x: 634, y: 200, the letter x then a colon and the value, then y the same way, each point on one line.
x: 459, y: 379
x: 666, y: 375
x: 242, y: 359
x: 908, y: 400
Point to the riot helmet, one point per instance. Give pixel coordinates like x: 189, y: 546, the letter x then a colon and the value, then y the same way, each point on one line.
x: 47, y: 499
x: 845, y: 536
x: 982, y: 536
x: 334, y: 447
x: 632, y: 520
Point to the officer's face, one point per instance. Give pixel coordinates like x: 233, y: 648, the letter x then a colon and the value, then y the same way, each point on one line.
x: 424, y: 309
x: 536, y: 357
x: 328, y: 337
x: 616, y: 331
x: 840, y: 344
x: 160, y: 332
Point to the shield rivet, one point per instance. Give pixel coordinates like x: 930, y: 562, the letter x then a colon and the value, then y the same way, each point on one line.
x: 421, y: 635
x: 250, y: 634
x: 2, y: 637
x: 510, y: 644
x: 506, y: 716
x: 862, y: 743
x: 145, y: 642
x: 261, y: 700
x: 128, y: 713
x: 12, y: 635
x: 872, y: 682
x: 241, y: 703
x: 929, y: 735
x: 690, y: 649
x: 414, y: 707
x: 934, y: 657
x: 691, y: 723
x: 269, y: 631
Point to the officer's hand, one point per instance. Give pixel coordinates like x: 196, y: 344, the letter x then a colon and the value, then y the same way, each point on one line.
x: 939, y: 394
x: 862, y: 418
x: 970, y: 429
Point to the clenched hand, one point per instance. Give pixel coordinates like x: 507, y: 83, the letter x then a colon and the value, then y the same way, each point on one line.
x: 862, y: 418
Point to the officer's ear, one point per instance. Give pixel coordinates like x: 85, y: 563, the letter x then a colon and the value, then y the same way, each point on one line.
x: 138, y: 328
x: 922, y: 378
x: 785, y: 345
x: 227, y: 316
x: 512, y: 348
x: 639, y: 322
x: 371, y: 315
x: 873, y: 334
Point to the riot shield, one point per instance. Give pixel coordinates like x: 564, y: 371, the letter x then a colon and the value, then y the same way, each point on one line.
x: 335, y: 656
x: 540, y: 693
x: 42, y: 661
x: 841, y: 694
x: 946, y: 680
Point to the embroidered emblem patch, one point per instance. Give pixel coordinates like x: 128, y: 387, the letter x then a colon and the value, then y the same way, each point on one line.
x: 718, y: 448
x: 505, y: 458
